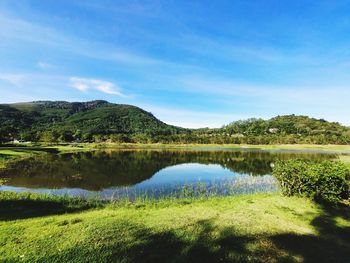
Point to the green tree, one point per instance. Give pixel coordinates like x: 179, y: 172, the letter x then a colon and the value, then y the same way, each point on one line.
x: 49, y: 136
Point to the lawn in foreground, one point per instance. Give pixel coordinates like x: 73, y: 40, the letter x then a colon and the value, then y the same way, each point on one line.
x: 262, y: 227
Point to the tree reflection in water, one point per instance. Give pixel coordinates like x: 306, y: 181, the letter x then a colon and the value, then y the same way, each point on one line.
x: 110, y: 169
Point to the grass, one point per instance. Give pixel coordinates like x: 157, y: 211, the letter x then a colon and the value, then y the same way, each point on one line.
x: 296, y: 147
x: 345, y: 159
x: 28, y: 205
x: 249, y: 228
x: 9, y: 155
x: 311, y: 147
x: 16, y: 153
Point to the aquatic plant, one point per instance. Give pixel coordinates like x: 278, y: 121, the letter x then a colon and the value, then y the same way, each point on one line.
x: 238, y: 185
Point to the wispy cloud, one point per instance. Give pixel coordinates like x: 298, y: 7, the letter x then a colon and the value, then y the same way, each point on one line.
x: 15, y: 29
x: 276, y: 93
x: 21, y: 86
x: 130, y: 58
x: 44, y: 65
x: 84, y: 84
x: 14, y: 79
x: 318, y: 100
x: 19, y: 29
x: 227, y: 50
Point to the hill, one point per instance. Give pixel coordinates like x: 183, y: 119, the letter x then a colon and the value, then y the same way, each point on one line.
x: 288, y: 124
x: 291, y: 129
x: 97, y: 121
x: 287, y: 129
x: 65, y: 121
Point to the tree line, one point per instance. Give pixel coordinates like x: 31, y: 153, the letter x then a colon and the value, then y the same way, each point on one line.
x: 100, y: 121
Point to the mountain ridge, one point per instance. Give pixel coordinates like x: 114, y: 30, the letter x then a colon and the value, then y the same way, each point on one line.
x: 100, y: 120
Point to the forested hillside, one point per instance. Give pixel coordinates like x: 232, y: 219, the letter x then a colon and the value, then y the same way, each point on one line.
x: 87, y: 121
x: 291, y: 129
x: 98, y: 121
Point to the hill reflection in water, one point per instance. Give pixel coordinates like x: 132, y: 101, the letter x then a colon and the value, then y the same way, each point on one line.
x: 142, y: 170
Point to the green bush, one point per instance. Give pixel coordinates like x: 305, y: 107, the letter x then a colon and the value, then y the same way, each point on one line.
x: 323, y: 181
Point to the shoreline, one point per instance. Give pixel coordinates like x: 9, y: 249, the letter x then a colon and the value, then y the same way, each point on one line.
x: 16, y: 152
x: 62, y: 147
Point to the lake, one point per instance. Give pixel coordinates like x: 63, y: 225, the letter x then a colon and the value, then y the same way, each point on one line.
x: 114, y: 174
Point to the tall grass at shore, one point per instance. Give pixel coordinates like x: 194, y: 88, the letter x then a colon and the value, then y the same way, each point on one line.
x: 239, y: 185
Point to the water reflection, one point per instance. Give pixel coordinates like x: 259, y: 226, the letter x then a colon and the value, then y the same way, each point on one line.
x: 114, y: 172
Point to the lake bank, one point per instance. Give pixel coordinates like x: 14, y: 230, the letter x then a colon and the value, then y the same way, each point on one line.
x: 261, y: 227
x: 72, y: 146
x: 12, y: 149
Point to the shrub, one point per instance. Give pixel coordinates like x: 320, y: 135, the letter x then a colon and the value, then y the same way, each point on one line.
x: 323, y: 181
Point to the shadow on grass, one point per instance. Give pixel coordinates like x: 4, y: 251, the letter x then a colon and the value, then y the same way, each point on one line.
x: 202, y: 241
x: 21, y: 209
x: 331, y: 244
x: 205, y: 241
x: 204, y: 244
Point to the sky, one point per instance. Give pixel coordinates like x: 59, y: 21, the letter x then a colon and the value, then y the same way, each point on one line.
x: 191, y: 63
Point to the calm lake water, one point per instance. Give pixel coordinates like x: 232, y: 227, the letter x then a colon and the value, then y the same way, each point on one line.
x: 153, y: 173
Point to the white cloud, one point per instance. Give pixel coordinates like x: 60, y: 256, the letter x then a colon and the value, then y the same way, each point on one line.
x: 84, y: 84
x: 14, y: 79
x: 44, y: 65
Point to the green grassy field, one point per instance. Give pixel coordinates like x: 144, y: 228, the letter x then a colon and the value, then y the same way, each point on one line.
x: 252, y: 228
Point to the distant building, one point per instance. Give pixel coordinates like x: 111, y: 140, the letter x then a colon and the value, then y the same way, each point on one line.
x: 273, y: 130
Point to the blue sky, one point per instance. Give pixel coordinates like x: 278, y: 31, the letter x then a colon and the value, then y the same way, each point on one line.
x: 190, y: 63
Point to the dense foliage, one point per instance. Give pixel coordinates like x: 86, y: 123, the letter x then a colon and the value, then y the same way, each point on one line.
x: 90, y: 121
x: 290, y: 129
x: 98, y: 121
x: 322, y: 181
